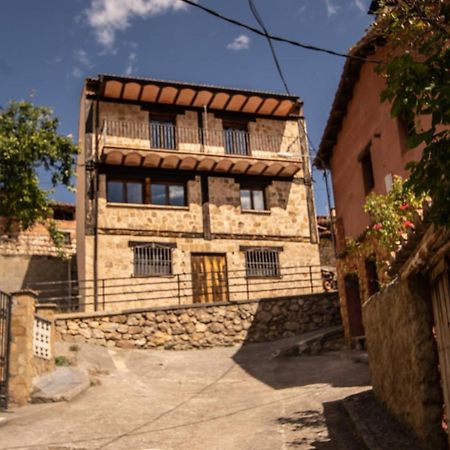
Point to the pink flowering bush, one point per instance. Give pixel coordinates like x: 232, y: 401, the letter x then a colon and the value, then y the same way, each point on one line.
x: 392, y: 214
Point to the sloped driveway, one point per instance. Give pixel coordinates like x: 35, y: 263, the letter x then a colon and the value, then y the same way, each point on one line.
x: 224, y: 398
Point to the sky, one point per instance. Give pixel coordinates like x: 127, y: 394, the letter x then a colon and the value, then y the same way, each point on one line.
x: 48, y: 47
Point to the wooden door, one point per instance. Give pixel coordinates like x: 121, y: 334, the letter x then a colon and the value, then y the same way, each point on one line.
x: 353, y: 305
x: 209, y: 278
x: 440, y: 295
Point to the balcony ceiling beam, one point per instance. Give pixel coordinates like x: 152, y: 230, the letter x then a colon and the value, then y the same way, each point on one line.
x: 214, y: 97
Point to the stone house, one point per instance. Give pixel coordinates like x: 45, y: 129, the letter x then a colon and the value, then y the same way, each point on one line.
x: 30, y: 258
x: 364, y: 148
x: 192, y: 194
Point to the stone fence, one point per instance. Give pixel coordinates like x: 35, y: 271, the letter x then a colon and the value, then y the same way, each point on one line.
x: 32, y: 344
x: 403, y: 359
x: 202, y: 325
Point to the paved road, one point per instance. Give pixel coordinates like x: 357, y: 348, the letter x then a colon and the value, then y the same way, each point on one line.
x: 225, y: 399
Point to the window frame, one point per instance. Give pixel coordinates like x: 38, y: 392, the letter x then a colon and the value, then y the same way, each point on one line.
x: 232, y: 139
x: 167, y: 184
x: 124, y: 181
x: 273, y: 262
x: 252, y: 188
x: 365, y: 159
x: 166, y: 250
x: 146, y: 183
x: 166, y: 141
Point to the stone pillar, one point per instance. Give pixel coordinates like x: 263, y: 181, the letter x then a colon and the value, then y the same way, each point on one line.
x: 21, y: 356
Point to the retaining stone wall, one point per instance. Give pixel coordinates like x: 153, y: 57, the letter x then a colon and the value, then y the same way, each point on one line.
x: 202, y: 326
x: 403, y: 360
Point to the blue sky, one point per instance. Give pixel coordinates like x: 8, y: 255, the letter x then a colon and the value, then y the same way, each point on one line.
x: 47, y: 47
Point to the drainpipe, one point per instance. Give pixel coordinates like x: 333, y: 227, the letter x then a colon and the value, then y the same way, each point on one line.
x: 308, y: 182
x: 95, y: 188
x: 327, y: 187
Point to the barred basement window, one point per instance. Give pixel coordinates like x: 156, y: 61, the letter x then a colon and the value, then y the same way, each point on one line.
x: 152, y: 259
x: 262, y: 262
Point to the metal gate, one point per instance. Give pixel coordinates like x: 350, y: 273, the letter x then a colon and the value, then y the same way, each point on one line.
x: 5, y: 337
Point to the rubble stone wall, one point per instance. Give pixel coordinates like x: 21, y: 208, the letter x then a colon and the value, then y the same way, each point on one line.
x: 402, y: 357
x: 202, y: 326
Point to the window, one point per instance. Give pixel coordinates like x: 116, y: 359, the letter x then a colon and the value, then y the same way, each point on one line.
x: 147, y: 191
x: 372, y: 275
x: 152, y: 259
x: 163, y: 132
x: 125, y: 191
x: 167, y: 193
x: 236, y: 138
x: 262, y: 262
x: 253, y: 198
x: 367, y: 170
x: 407, y: 128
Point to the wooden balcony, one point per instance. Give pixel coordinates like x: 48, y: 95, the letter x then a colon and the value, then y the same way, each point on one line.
x: 167, y: 146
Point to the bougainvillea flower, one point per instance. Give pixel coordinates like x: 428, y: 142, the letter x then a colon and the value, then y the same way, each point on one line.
x: 377, y: 226
x: 408, y: 224
x: 404, y: 206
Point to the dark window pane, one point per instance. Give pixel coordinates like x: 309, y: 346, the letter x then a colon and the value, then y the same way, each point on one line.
x: 367, y: 169
x: 162, y: 134
x: 134, y: 192
x: 116, y: 192
x: 246, y: 202
x: 258, y: 200
x: 158, y: 194
x: 176, y: 195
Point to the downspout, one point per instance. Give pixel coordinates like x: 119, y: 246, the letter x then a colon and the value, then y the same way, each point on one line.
x: 95, y: 188
x: 308, y: 181
x: 327, y: 187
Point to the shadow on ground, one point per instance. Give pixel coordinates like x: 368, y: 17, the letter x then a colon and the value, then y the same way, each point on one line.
x: 370, y: 419
x: 268, y: 363
x: 340, y: 433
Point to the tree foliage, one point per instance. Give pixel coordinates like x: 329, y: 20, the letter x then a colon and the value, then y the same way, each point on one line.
x: 418, y: 86
x: 29, y: 143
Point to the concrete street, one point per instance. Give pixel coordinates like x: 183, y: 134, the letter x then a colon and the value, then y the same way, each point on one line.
x: 223, y: 398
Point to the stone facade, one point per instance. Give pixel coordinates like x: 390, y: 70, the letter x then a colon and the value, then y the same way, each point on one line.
x: 212, y: 222
x: 28, y: 257
x: 24, y: 365
x: 403, y: 359
x: 202, y: 326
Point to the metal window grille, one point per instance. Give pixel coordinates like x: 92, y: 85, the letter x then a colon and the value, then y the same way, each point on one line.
x: 152, y: 260
x: 41, y: 338
x: 262, y: 263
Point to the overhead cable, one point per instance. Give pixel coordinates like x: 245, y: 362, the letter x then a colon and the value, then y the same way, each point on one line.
x: 277, y: 38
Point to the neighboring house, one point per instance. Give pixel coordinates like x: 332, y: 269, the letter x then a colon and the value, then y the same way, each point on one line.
x: 192, y: 193
x: 30, y: 259
x: 363, y: 147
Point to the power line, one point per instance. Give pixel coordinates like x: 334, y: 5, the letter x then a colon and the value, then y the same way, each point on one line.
x: 278, y: 66
x: 261, y: 23
x: 277, y: 38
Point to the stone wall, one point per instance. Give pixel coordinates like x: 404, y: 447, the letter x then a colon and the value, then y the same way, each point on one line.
x: 202, y: 326
x: 403, y: 359
x: 139, y: 292
x: 267, y: 136
x: 30, y: 256
x: 23, y: 364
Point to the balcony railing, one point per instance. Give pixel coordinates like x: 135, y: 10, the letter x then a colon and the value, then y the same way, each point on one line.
x: 166, y: 136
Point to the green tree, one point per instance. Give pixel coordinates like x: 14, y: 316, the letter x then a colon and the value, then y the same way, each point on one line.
x: 418, y: 86
x: 29, y: 144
